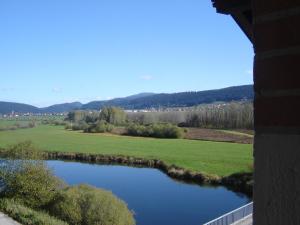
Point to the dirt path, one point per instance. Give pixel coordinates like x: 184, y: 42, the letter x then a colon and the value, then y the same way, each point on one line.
x: 218, y: 135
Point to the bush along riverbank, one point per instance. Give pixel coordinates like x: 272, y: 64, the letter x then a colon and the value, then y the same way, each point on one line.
x: 239, y: 182
x: 33, y: 195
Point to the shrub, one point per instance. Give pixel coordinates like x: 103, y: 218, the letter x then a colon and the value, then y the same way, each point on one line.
x: 27, y: 179
x: 136, y: 130
x: 21, y: 151
x: 164, y: 130
x: 82, y: 125
x: 99, y: 127
x: 27, y: 216
x: 86, y: 205
x: 30, y: 183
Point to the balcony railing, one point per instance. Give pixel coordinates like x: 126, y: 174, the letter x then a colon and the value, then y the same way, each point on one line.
x: 234, y: 216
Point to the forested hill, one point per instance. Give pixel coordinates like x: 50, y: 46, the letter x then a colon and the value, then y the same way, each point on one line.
x: 142, y: 101
x: 60, y: 108
x: 9, y: 107
x: 183, y: 99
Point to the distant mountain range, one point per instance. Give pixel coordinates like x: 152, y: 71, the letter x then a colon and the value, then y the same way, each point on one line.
x: 142, y: 101
x: 8, y: 107
x: 60, y: 108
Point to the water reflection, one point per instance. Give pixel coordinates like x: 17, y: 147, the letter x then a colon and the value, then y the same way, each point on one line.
x: 152, y: 195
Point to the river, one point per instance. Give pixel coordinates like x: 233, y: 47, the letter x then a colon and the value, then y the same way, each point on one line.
x: 155, y: 198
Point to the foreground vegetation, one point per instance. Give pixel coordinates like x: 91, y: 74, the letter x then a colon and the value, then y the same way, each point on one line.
x: 26, y: 215
x: 31, y: 194
x: 86, y: 205
x: 209, y: 157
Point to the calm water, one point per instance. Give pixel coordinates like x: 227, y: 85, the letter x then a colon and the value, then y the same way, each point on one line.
x: 155, y: 198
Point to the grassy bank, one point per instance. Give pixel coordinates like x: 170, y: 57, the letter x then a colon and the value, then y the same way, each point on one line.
x: 216, y: 158
x: 239, y: 182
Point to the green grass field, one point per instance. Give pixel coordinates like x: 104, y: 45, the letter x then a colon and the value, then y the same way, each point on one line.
x: 4, y: 123
x: 203, y: 156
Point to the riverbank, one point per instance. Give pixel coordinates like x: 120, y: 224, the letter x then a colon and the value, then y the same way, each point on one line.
x: 239, y: 182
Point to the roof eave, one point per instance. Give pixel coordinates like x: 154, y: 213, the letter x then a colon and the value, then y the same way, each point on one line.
x: 241, y: 12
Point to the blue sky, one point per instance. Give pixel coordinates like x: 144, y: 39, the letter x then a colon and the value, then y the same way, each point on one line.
x: 55, y: 51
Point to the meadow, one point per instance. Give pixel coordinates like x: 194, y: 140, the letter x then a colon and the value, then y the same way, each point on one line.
x: 6, y: 123
x: 218, y: 158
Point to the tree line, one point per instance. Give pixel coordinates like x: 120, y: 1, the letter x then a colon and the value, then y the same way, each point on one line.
x: 235, y: 115
x: 109, y: 117
x: 96, y: 122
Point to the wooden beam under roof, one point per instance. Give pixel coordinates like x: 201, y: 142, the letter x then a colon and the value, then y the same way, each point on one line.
x: 241, y: 12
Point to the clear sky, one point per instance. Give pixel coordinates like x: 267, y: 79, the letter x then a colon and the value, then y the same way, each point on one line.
x: 55, y: 51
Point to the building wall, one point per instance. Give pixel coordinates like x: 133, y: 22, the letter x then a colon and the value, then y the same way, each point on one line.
x: 276, y: 38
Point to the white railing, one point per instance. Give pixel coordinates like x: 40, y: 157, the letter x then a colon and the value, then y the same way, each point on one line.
x: 233, y: 216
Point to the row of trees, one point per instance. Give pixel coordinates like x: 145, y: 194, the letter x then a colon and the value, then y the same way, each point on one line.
x: 234, y: 115
x: 104, y: 121
x: 96, y: 122
x: 112, y: 115
x: 229, y: 116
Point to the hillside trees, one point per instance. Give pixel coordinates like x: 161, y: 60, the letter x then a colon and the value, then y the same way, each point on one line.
x: 183, y: 99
